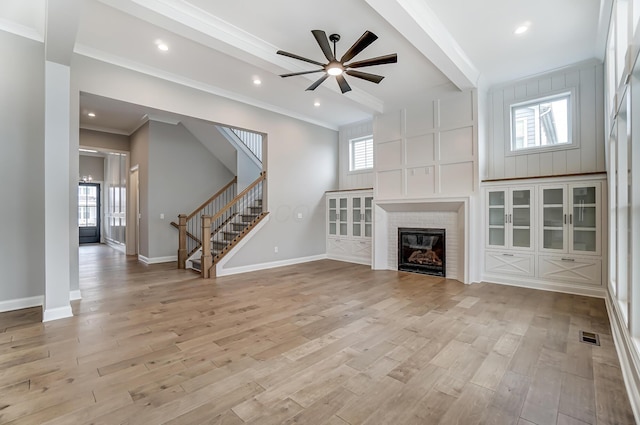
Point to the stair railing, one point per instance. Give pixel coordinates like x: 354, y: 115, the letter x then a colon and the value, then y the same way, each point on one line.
x: 251, y: 140
x: 247, y: 207
x: 190, y: 226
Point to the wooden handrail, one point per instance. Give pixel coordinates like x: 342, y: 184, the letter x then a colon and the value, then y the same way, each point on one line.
x: 218, y: 193
x: 239, y: 196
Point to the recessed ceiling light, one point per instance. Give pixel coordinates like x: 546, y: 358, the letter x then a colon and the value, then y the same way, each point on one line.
x: 521, y: 29
x: 316, y: 103
x: 257, y: 81
x: 163, y: 47
x: 91, y: 115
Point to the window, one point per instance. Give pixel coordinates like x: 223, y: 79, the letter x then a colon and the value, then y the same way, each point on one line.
x: 543, y: 123
x: 361, y: 153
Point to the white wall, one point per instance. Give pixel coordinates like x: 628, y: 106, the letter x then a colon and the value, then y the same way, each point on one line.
x: 353, y: 179
x: 105, y: 141
x: 302, y: 158
x: 428, y: 149
x: 21, y: 171
x: 182, y: 175
x: 587, y: 79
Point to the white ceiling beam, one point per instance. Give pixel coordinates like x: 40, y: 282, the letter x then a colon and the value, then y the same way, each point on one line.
x: 420, y: 26
x: 61, y: 27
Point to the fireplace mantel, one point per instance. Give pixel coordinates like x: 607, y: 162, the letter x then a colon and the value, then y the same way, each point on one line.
x: 386, y: 215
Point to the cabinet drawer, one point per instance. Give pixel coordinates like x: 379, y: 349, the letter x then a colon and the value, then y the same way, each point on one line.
x: 566, y: 268
x: 339, y: 247
x: 361, y: 249
x: 511, y: 264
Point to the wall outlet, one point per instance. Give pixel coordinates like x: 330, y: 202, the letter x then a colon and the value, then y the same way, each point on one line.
x: 275, y: 249
x: 299, y: 215
x: 161, y: 216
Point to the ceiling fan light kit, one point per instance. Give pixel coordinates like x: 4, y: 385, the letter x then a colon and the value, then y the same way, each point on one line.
x: 338, y: 68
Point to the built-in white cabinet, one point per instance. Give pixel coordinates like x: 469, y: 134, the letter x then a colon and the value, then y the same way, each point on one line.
x: 510, y: 218
x: 545, y: 233
x: 350, y: 225
x: 571, y: 218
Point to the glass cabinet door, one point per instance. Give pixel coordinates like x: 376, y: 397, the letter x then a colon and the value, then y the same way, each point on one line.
x: 583, y: 219
x: 497, y: 218
x: 368, y: 216
x: 333, y: 216
x: 356, y: 217
x: 342, y: 216
x: 520, y: 218
x: 553, y: 219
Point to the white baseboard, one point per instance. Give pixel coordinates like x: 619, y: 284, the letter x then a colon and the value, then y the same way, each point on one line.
x: 157, y: 260
x: 566, y: 288
x: 271, y: 265
x: 20, y: 303
x: 628, y: 355
x: 75, y: 295
x: 56, y: 313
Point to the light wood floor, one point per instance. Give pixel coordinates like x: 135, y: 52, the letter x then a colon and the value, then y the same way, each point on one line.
x: 319, y: 343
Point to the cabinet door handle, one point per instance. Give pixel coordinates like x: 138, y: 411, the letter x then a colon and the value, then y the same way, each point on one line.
x: 508, y: 255
x: 568, y: 259
x: 510, y: 219
x: 506, y: 218
x: 570, y: 218
x: 565, y: 219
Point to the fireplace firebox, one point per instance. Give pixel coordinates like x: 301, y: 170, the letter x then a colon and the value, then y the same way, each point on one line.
x: 422, y: 251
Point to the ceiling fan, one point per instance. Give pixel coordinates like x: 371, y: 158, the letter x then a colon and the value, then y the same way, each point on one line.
x: 339, y: 67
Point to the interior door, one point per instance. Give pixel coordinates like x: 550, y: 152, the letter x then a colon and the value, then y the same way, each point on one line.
x: 89, y: 212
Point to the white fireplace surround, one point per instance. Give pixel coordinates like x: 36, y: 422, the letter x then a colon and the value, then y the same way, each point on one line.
x: 451, y: 214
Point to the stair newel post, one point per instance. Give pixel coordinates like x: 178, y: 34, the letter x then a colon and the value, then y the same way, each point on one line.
x: 182, y: 241
x: 207, y: 259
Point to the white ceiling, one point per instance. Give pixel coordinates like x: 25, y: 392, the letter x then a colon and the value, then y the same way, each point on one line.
x: 223, y: 45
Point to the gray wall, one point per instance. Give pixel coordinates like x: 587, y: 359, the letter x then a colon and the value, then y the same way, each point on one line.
x: 302, y: 157
x: 103, y: 140
x: 21, y: 168
x: 92, y: 166
x: 182, y: 175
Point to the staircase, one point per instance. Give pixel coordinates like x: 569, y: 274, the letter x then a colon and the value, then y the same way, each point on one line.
x: 222, y: 230
x: 229, y: 234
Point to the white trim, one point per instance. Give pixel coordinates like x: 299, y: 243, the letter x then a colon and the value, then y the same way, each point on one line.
x: 156, y: 260
x: 271, y: 265
x: 57, y: 313
x: 75, y: 295
x: 566, y: 288
x: 20, y: 303
x: 21, y: 30
x: 628, y: 355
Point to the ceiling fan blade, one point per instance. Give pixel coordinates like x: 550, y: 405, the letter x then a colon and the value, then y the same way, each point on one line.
x: 380, y: 60
x: 366, y: 76
x: 363, y: 42
x: 318, y: 82
x: 323, y: 42
x: 292, y: 74
x: 344, y: 86
x: 294, y: 56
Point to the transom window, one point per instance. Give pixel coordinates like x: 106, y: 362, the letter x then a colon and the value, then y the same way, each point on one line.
x: 361, y: 153
x: 543, y: 123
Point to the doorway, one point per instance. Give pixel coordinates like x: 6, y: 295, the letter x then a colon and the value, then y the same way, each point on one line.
x: 89, y: 212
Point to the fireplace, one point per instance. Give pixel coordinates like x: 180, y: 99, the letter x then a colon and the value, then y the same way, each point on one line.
x: 422, y: 251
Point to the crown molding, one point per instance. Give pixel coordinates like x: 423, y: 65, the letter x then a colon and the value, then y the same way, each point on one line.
x: 21, y: 30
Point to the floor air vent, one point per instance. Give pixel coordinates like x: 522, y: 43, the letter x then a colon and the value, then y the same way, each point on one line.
x: 589, y: 338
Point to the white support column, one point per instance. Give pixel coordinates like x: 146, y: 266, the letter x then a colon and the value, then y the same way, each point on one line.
x: 56, y: 189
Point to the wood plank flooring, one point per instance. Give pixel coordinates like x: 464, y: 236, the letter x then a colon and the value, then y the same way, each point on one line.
x: 319, y: 343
